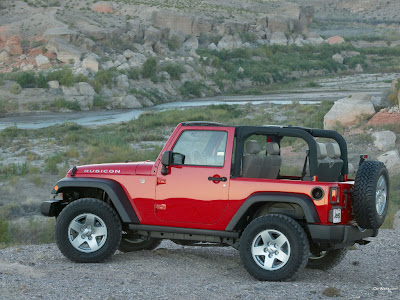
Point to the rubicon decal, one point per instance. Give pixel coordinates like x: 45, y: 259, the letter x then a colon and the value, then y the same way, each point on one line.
x: 102, y: 171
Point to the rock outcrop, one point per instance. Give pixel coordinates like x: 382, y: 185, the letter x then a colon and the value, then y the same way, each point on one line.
x: 391, y: 160
x: 384, y: 140
x: 348, y: 111
x: 65, y: 52
x: 60, y: 32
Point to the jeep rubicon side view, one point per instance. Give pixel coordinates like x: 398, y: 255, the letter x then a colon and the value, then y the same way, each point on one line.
x: 223, y: 184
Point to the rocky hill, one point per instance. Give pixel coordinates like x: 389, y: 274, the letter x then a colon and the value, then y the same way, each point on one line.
x: 57, y: 55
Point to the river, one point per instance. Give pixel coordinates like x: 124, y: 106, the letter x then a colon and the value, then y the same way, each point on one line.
x: 329, y: 89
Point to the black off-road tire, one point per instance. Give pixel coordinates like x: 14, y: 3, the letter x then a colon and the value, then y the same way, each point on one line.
x: 292, y: 243
x: 370, y: 187
x: 78, y: 215
x: 326, y: 260
x: 131, y: 243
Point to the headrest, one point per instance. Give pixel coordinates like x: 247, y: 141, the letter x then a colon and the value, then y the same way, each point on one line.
x: 272, y: 148
x: 321, y: 151
x: 252, y: 147
x: 333, y: 150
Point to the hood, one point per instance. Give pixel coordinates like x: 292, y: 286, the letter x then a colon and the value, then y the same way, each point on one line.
x: 136, y: 168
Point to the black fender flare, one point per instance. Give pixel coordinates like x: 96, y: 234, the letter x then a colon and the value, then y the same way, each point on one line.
x: 112, y: 188
x: 304, y: 201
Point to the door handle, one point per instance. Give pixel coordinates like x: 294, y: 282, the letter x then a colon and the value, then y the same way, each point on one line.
x: 217, y: 178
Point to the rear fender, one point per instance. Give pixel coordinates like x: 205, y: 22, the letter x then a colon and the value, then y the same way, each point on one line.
x: 305, y: 202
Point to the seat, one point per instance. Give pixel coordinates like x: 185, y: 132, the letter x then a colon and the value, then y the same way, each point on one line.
x: 323, y: 171
x: 335, y: 162
x: 272, y: 162
x: 252, y: 163
x: 322, y: 164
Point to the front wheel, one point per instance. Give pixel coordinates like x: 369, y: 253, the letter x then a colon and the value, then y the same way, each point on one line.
x: 88, y: 230
x: 326, y: 260
x: 274, y: 248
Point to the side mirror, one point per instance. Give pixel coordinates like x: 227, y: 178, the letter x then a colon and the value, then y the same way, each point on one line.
x: 166, y: 159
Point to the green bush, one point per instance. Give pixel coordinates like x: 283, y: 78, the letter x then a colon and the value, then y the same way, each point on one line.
x: 104, y: 77
x: 174, y: 43
x: 41, y: 81
x: 61, y: 103
x: 149, y: 68
x: 99, y: 102
x: 64, y: 76
x: 51, y: 163
x: 26, y: 79
x: 15, y: 89
x: 174, y: 70
x: 134, y: 74
x: 81, y: 78
x: 191, y: 88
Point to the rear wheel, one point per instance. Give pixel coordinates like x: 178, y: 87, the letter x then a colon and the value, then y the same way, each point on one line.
x: 88, y: 230
x: 371, y: 194
x: 132, y: 242
x: 274, y: 247
x: 326, y: 260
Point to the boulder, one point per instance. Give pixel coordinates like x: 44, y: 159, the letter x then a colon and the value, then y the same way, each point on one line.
x: 137, y: 60
x: 396, y: 221
x: 65, y: 52
x: 129, y: 101
x: 349, y: 53
x: 229, y: 42
x: 348, y: 111
x: 338, y: 58
x: 42, y: 61
x: 70, y: 91
x: 278, y: 38
x: 54, y: 84
x: 103, y: 7
x: 391, y: 160
x: 314, y: 38
x: 212, y: 46
x: 60, y: 32
x: 279, y: 23
x: 152, y: 35
x: 359, y: 68
x: 384, y: 140
x: 191, y: 44
x: 13, y: 45
x: 167, y: 19
x: 124, y: 66
x: 4, y: 56
x: 128, y: 54
x: 85, y: 89
x: 90, y: 63
x: 88, y: 44
x: 107, y: 65
x: 122, y: 81
x: 392, y: 86
x: 201, y: 27
x: 335, y: 40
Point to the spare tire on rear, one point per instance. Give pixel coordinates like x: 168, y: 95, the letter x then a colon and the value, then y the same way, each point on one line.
x: 371, y: 194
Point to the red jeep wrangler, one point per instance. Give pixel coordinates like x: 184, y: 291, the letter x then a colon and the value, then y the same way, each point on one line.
x: 222, y: 184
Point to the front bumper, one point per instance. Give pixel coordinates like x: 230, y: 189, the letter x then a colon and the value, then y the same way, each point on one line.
x: 52, y: 208
x: 339, y: 234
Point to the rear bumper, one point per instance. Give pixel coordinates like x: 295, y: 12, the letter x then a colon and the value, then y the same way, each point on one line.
x: 52, y: 208
x: 339, y: 234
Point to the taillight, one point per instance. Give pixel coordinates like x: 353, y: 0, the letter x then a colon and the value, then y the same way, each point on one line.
x: 334, y: 195
x: 335, y: 214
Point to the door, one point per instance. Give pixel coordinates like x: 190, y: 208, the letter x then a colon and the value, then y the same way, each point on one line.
x: 196, y: 188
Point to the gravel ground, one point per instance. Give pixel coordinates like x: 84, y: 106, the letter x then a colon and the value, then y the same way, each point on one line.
x: 178, y: 272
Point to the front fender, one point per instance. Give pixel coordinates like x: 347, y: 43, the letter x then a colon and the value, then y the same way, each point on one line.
x: 112, y: 188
